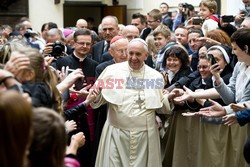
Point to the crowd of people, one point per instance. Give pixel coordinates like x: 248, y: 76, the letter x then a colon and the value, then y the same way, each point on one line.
x: 165, y: 90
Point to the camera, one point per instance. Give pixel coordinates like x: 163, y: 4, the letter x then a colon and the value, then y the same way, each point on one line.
x: 185, y: 5
x: 58, y: 49
x: 228, y: 19
x: 30, y: 33
x: 197, y: 21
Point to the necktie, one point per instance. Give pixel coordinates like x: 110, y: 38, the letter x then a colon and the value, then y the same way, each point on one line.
x: 107, y: 47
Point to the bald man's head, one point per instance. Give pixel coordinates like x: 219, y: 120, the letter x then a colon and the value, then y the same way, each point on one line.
x: 130, y: 32
x: 81, y: 23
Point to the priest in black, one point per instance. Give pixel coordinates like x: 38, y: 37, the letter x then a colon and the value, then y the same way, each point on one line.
x: 79, y: 59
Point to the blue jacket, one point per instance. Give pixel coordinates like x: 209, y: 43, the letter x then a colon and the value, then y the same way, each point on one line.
x: 243, y: 117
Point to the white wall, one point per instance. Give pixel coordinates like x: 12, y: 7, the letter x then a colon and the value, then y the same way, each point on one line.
x: 43, y: 11
x: 234, y: 8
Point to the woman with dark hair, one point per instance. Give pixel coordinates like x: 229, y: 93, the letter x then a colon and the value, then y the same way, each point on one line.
x: 15, y: 129
x: 176, y: 64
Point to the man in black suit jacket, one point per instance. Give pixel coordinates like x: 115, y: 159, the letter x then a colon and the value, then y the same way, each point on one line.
x: 166, y: 19
x: 109, y: 30
x: 140, y: 21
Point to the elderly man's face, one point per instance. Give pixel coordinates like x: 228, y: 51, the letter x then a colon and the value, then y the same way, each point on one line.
x: 109, y: 28
x: 119, y: 51
x: 136, y: 54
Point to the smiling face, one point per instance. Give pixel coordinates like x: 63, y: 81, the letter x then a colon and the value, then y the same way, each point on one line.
x: 203, y: 68
x: 173, y: 63
x: 119, y: 50
x: 241, y: 54
x: 160, y: 41
x: 194, y: 42
x: 83, y: 45
x: 219, y: 58
x: 137, y: 54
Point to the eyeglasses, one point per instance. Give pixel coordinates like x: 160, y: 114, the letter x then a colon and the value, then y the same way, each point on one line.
x: 84, y: 43
x: 202, y: 67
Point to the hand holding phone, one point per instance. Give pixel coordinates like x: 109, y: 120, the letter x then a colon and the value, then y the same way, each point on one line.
x: 212, y: 59
x: 197, y: 21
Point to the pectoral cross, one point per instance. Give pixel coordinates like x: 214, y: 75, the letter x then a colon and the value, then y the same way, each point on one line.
x: 139, y: 101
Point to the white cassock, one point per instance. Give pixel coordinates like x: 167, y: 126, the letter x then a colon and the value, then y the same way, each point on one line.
x: 130, y: 136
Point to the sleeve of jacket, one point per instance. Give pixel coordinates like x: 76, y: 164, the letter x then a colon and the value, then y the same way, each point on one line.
x: 229, y: 29
x: 243, y: 117
x: 72, y: 112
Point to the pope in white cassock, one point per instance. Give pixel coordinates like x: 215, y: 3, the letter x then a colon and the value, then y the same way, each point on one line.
x: 133, y: 92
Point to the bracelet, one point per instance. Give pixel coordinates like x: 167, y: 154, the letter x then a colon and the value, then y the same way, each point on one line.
x: 4, y: 79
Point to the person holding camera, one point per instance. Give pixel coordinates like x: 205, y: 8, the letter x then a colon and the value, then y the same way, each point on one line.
x: 186, y: 11
x: 55, y: 44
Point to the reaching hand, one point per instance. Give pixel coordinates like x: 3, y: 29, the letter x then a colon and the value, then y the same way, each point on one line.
x: 48, y: 60
x: 229, y: 119
x: 77, y: 141
x: 71, y: 78
x: 209, y: 40
x: 216, y: 110
x: 78, y: 138
x: 83, y: 93
x: 93, y: 93
x: 187, y: 95
x: 238, y: 107
x: 70, y: 125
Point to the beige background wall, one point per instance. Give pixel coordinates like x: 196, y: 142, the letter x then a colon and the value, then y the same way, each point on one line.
x: 41, y: 11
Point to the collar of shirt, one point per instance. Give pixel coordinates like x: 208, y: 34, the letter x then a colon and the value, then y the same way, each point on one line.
x: 80, y: 58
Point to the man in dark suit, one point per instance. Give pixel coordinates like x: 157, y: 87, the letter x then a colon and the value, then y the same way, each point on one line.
x: 117, y: 50
x: 140, y: 21
x: 110, y: 29
x: 166, y: 19
x: 79, y: 59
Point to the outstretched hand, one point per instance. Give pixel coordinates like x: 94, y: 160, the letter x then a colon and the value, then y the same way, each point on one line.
x: 187, y: 95
x: 229, y: 119
x: 83, y: 93
x: 238, y: 107
x: 216, y: 110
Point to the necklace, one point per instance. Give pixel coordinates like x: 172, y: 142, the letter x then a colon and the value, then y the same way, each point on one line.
x: 139, y: 101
